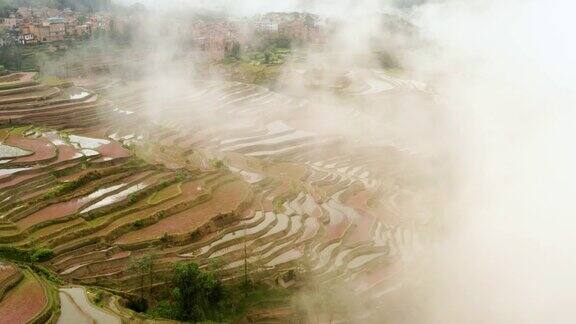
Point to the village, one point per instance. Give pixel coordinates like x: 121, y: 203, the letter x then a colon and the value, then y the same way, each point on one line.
x: 215, y: 37
x: 29, y: 26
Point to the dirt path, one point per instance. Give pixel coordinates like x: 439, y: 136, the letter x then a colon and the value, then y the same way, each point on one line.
x: 70, y: 312
x: 76, y: 308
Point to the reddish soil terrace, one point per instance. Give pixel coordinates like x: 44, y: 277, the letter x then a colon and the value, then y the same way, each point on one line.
x: 67, y: 208
x: 113, y: 150
x: 52, y: 212
x: 34, y: 95
x: 16, y: 180
x: 190, y: 191
x: 6, y: 271
x: 23, y: 302
x: 43, y: 149
x: 360, y: 228
x: 26, y: 101
x: 291, y: 170
x: 67, y: 153
x: 23, y: 76
x: 224, y: 199
x: 365, y: 222
x: 336, y: 230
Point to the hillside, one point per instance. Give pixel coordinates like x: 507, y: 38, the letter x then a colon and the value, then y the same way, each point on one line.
x: 101, y: 181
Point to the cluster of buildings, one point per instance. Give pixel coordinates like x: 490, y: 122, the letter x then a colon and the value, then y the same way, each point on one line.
x: 305, y: 27
x: 219, y: 37
x: 214, y: 38
x: 45, y: 25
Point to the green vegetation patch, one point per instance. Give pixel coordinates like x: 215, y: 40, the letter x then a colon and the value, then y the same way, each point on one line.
x: 259, y: 66
x: 165, y: 194
x: 28, y: 256
x: 195, y: 295
x: 53, y: 81
x: 68, y: 187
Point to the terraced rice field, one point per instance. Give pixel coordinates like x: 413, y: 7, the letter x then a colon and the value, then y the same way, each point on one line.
x: 104, y: 182
x: 27, y: 301
x: 320, y: 199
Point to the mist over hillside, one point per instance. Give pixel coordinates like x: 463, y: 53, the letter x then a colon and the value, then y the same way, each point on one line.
x: 355, y: 161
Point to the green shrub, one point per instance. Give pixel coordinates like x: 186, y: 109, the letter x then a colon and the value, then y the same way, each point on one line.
x: 165, y: 238
x: 138, y: 224
x: 14, y: 254
x: 163, y: 310
x: 137, y: 304
x: 278, y: 204
x: 42, y: 255
x: 133, y: 198
x: 52, y: 81
x: 218, y: 164
x: 68, y: 187
x: 20, y: 255
x: 160, y: 214
x: 180, y: 175
x: 45, y: 273
x: 98, y: 297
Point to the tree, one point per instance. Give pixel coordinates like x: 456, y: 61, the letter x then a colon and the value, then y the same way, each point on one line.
x: 218, y: 164
x: 268, y: 57
x: 42, y: 255
x: 82, y: 19
x: 234, y: 52
x: 246, y: 281
x: 144, y: 267
x: 197, y: 295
